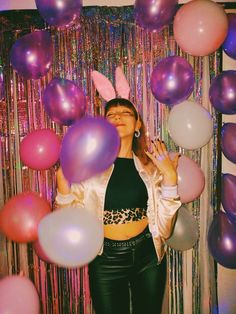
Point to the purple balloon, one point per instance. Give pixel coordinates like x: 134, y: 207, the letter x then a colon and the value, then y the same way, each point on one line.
x: 222, y: 92
x: 228, y: 195
x: 64, y: 101
x: 59, y: 13
x: 31, y: 55
x: 222, y: 240
x: 89, y: 147
x: 228, y: 141
x: 229, y: 45
x: 154, y: 15
x: 172, y: 80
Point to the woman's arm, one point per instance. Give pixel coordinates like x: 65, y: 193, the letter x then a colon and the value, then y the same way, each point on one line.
x: 68, y: 196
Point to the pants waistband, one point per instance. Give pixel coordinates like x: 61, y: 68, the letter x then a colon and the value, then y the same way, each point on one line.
x: 132, y: 242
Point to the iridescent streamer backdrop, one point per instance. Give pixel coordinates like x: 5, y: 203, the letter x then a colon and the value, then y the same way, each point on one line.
x: 104, y: 38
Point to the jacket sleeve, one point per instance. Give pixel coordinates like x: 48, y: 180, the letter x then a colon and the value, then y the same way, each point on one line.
x: 168, y: 204
x: 74, y: 199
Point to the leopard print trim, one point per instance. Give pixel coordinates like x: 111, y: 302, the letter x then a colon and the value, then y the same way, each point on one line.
x: 124, y: 215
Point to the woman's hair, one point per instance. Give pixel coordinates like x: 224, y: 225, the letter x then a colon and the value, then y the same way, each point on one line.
x: 139, y: 143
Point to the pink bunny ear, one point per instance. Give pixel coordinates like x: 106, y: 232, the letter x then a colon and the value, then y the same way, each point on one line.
x: 103, y: 85
x: 122, y: 85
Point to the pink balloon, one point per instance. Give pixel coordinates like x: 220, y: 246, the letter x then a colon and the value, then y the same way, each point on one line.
x: 20, y: 216
x: 40, y: 149
x: 18, y: 295
x: 200, y: 27
x: 191, y: 179
x: 40, y: 252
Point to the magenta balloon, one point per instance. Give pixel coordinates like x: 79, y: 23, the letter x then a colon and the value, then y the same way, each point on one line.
x: 31, y: 55
x: 59, y: 13
x: 40, y: 149
x: 222, y: 92
x: 20, y: 216
x: 172, y: 80
x: 154, y: 15
x: 18, y: 295
x: 228, y: 194
x: 229, y: 45
x: 228, y: 141
x: 89, y: 147
x: 191, y: 179
x: 222, y: 240
x: 64, y: 101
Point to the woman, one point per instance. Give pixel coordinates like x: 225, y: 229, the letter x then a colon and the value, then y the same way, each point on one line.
x: 136, y: 198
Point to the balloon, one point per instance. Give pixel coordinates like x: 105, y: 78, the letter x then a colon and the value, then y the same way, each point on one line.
x: 71, y: 237
x: 229, y: 45
x: 154, y: 15
x: 59, y: 13
x: 191, y: 179
x: 172, y: 80
x: 222, y: 92
x: 228, y: 141
x: 185, y: 233
x: 20, y: 216
x: 40, y: 149
x: 18, y: 295
x: 222, y: 240
x: 64, y: 101
x: 200, y: 27
x: 40, y: 252
x: 228, y: 195
x: 89, y: 147
x: 31, y: 55
x: 190, y: 125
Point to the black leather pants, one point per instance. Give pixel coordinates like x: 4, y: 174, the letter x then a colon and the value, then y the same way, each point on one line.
x: 126, y: 277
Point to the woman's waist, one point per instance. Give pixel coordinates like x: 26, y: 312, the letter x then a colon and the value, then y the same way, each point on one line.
x: 125, y: 231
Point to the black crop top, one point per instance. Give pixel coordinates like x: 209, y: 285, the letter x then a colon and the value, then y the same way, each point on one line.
x: 126, y: 194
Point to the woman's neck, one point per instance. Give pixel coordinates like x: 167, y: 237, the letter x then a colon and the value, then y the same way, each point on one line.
x: 125, y: 149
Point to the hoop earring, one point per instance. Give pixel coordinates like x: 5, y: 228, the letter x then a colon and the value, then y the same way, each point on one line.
x: 137, y: 133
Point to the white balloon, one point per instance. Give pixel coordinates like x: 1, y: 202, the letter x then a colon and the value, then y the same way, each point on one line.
x: 71, y: 237
x: 185, y: 233
x: 190, y: 125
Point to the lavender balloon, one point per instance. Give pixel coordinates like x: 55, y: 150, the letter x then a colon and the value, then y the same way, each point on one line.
x: 154, y: 15
x: 89, y: 147
x: 229, y: 45
x: 31, y: 55
x: 64, y: 101
x: 172, y: 80
x: 59, y: 13
x: 222, y: 240
x: 228, y: 141
x: 222, y: 92
x: 228, y: 195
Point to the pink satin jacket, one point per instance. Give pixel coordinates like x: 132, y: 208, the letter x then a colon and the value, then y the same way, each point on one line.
x: 163, y: 202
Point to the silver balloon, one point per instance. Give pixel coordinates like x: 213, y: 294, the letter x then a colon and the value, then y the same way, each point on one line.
x: 185, y: 233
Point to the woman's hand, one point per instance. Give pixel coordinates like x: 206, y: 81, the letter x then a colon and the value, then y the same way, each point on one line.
x: 62, y: 184
x: 162, y: 161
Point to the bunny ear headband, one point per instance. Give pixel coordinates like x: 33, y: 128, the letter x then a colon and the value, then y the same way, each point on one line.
x: 105, y: 88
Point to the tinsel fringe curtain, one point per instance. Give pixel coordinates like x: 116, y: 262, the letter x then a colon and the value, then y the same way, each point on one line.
x: 102, y: 39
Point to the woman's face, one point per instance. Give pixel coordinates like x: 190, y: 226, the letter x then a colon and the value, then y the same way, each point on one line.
x: 123, y: 118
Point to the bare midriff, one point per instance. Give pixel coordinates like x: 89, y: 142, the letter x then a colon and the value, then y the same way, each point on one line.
x: 125, y: 231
